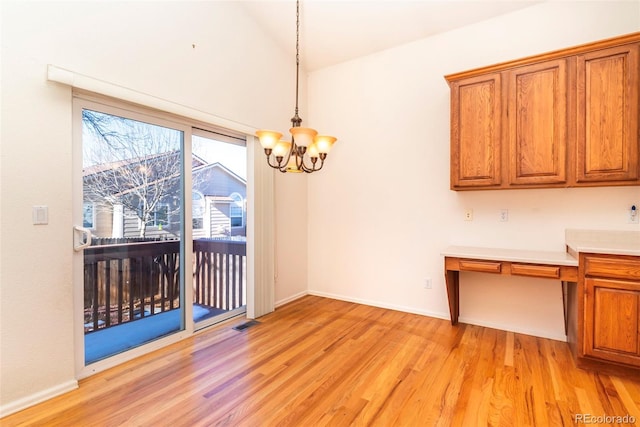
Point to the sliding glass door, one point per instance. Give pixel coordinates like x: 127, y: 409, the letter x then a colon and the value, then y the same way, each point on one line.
x: 219, y: 220
x: 161, y: 233
x: 132, y: 209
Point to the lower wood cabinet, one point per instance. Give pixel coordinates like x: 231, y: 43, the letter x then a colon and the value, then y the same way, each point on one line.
x: 611, y: 310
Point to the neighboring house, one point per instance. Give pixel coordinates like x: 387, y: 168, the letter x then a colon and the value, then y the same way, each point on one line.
x: 219, y: 202
x: 119, y: 204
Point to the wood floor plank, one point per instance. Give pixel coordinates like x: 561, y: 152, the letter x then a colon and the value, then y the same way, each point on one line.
x: 626, y: 395
x: 323, y: 362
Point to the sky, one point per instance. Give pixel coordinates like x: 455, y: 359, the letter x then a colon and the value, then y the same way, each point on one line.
x: 230, y: 155
x: 133, y: 139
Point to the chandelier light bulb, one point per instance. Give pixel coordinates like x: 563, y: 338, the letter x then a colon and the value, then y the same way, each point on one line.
x: 281, y: 149
x: 312, y: 150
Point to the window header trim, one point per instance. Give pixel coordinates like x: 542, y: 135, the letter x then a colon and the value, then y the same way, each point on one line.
x: 101, y: 87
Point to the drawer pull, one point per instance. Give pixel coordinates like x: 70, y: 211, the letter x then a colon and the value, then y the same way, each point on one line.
x: 483, y: 267
x: 546, y: 271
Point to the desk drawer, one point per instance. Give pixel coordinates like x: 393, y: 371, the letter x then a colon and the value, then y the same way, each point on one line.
x: 545, y: 271
x: 480, y: 266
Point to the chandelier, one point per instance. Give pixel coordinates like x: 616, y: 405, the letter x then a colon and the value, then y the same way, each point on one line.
x: 306, y: 146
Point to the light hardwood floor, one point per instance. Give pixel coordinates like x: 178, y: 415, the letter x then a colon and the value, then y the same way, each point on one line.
x: 322, y: 362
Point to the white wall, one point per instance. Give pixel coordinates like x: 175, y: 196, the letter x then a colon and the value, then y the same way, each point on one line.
x: 291, y: 236
x: 382, y: 212
x: 144, y: 46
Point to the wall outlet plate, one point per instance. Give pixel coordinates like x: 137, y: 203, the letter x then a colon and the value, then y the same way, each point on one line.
x: 40, y: 215
x: 634, y: 214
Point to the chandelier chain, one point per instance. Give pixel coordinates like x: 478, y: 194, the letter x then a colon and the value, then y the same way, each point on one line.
x: 296, y: 120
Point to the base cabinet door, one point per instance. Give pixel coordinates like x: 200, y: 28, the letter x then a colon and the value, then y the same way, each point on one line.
x: 612, y: 320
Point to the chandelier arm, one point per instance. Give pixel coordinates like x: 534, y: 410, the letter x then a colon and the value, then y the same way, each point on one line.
x: 321, y: 164
x: 298, y: 152
x: 313, y: 168
x: 304, y: 167
x: 275, y: 166
x: 281, y: 166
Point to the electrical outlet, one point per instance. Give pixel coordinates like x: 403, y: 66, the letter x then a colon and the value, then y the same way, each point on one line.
x: 504, y: 215
x: 468, y: 215
x: 427, y: 283
x: 40, y: 215
x: 634, y: 215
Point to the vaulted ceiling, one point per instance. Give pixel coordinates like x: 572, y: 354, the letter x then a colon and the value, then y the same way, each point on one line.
x: 334, y: 31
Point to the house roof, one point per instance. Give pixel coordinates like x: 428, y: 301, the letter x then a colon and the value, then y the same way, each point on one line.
x: 199, y: 167
x: 196, y: 161
x: 222, y: 167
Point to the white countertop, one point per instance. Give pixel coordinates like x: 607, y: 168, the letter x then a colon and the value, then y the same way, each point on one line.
x: 512, y: 255
x: 603, y: 242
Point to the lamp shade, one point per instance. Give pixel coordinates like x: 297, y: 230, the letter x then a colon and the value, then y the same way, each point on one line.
x: 281, y: 149
x: 312, y: 150
x: 324, y: 143
x: 303, y: 136
x: 268, y: 138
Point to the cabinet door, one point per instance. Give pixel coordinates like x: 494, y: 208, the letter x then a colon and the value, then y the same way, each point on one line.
x: 612, y: 320
x: 607, y: 128
x: 537, y: 123
x: 476, y: 132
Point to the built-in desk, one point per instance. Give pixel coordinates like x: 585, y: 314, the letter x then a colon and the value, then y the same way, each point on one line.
x: 541, y: 264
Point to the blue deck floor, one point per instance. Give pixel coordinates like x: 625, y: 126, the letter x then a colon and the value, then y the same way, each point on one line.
x: 116, y: 339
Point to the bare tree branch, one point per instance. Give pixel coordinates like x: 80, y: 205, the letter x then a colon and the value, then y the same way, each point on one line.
x: 133, y: 164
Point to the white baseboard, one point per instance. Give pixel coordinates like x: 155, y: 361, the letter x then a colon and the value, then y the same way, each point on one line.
x: 291, y: 298
x: 381, y: 305
x: 36, y: 398
x: 445, y: 316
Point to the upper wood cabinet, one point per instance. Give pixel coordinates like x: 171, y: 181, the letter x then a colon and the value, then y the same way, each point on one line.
x: 561, y: 119
x: 476, y: 127
x: 537, y: 123
x: 607, y: 125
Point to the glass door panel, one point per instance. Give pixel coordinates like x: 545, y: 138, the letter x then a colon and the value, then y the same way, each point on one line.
x: 132, y: 204
x: 219, y: 191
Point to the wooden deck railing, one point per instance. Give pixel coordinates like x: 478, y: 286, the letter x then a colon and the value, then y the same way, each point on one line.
x: 219, y: 273
x: 124, y: 282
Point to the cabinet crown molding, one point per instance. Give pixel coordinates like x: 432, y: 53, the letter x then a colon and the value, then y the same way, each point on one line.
x: 556, y: 54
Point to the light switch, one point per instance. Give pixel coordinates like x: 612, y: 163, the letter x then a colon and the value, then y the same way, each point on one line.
x: 40, y: 215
